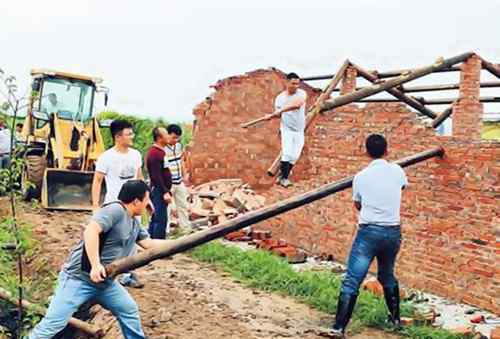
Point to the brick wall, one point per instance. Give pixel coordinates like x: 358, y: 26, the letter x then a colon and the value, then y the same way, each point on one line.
x: 450, y: 212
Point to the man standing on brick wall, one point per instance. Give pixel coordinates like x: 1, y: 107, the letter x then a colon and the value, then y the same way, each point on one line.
x: 174, y: 156
x: 377, y: 195
x: 290, y: 106
x: 161, y: 183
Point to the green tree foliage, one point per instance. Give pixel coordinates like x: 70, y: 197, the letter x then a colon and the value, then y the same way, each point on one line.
x: 143, y: 128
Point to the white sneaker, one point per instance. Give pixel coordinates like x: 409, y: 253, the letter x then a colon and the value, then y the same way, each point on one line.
x: 285, y: 183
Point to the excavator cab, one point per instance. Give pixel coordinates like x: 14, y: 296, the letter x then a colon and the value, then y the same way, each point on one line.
x: 63, y: 139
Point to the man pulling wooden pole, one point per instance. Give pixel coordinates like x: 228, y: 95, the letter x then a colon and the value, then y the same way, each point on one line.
x: 188, y: 242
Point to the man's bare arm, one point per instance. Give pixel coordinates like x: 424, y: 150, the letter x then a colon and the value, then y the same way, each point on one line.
x: 96, y: 189
x: 91, y: 241
x: 140, y: 175
x: 294, y: 105
x: 152, y: 243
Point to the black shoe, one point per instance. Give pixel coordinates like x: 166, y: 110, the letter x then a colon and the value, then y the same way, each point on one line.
x: 131, y: 280
x: 392, y: 301
x: 343, y: 315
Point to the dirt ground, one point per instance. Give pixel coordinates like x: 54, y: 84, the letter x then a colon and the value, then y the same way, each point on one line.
x: 185, y: 299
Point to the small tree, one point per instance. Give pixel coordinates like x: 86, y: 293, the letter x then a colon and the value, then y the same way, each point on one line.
x: 9, y: 179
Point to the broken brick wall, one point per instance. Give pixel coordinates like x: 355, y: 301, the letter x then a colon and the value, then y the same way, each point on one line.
x: 220, y: 147
x: 451, y: 209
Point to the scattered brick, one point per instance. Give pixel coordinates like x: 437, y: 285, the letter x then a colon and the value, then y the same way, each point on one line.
x: 373, y: 285
x: 260, y: 235
x: 495, y: 333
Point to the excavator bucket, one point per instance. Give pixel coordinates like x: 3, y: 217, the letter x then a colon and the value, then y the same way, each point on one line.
x: 68, y: 190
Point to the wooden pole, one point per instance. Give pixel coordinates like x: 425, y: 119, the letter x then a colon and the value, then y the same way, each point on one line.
x: 490, y: 67
x: 315, y: 110
x: 75, y: 323
x: 390, y: 74
x: 410, y: 101
x: 442, y: 117
x: 394, y: 82
x: 188, y: 242
x: 436, y: 88
x: 253, y: 122
x: 381, y: 75
x: 446, y: 87
x: 442, y: 101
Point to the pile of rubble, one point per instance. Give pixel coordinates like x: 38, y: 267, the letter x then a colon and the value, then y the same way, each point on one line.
x: 218, y: 201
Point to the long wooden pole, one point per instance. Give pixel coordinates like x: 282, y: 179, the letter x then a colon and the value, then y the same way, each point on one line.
x: 441, y: 101
x: 394, y: 82
x: 315, y: 110
x: 250, y: 218
x: 490, y: 67
x: 75, y: 323
x: 381, y: 75
x: 437, y: 88
x: 442, y: 117
x: 412, y: 102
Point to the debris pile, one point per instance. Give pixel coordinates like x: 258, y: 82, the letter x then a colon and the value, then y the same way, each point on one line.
x: 217, y: 201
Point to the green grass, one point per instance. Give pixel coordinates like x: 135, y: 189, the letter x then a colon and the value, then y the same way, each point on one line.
x: 264, y: 271
x: 36, y: 282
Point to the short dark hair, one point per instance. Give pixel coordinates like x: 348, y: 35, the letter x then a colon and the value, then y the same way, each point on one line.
x: 173, y: 128
x: 376, y: 145
x: 117, y: 126
x: 131, y: 190
x: 292, y: 75
x: 156, y: 133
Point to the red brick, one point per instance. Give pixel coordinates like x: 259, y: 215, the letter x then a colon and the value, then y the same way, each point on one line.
x: 237, y: 236
x: 292, y: 254
x: 260, y: 235
x: 495, y: 333
x: 373, y: 285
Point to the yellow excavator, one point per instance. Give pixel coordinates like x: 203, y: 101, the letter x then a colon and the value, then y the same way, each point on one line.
x: 62, y: 139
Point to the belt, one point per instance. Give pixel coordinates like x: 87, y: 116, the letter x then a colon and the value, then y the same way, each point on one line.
x: 364, y: 225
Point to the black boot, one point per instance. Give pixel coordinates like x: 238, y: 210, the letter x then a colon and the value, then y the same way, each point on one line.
x: 285, y: 169
x: 343, y: 315
x: 392, y: 300
x: 282, y: 169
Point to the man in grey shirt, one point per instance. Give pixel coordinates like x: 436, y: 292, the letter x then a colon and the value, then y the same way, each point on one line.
x: 110, y: 235
x: 290, y: 106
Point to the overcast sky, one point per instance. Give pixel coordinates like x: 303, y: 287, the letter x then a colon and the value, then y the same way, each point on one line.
x: 160, y: 57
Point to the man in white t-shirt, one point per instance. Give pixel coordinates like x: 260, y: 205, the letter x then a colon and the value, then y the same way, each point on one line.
x: 290, y: 106
x: 116, y: 166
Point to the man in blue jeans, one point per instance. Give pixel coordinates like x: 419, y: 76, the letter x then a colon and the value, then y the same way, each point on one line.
x: 377, y: 195
x: 110, y: 235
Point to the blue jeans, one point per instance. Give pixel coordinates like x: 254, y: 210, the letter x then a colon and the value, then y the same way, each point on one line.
x: 71, y: 293
x: 158, y: 224
x: 371, y: 242
x: 4, y: 161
